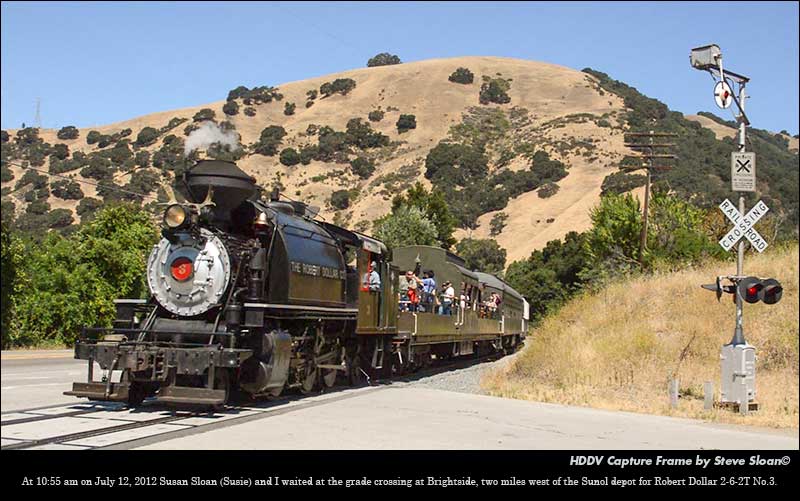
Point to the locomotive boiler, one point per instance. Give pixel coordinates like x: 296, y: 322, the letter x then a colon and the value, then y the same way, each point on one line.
x: 251, y: 296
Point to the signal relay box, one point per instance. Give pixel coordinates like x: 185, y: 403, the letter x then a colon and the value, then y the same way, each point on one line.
x: 738, y: 374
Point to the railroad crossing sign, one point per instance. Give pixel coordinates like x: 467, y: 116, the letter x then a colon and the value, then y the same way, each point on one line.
x: 723, y: 95
x: 743, y: 171
x: 743, y: 225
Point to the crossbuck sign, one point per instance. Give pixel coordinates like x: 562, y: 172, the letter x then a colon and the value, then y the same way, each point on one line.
x: 743, y: 225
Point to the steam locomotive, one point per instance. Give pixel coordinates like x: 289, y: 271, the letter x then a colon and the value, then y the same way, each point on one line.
x: 252, y: 295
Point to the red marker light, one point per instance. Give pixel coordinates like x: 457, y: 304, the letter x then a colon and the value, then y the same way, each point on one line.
x: 181, y: 269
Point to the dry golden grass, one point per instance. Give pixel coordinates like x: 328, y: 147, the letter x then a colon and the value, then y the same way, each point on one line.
x: 547, y: 91
x: 617, y: 349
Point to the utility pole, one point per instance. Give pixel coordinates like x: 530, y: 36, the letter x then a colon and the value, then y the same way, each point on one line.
x: 650, y: 155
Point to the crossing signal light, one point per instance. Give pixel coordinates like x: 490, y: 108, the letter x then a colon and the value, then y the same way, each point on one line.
x: 773, y: 290
x: 750, y: 289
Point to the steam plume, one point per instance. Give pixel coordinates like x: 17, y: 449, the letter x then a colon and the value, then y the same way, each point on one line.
x: 208, y: 134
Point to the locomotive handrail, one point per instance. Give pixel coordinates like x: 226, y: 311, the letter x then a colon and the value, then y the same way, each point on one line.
x: 300, y: 307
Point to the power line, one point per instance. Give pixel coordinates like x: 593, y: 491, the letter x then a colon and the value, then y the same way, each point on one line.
x: 106, y: 186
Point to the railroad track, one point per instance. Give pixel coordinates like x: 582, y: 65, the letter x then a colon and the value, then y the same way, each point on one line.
x: 95, y: 425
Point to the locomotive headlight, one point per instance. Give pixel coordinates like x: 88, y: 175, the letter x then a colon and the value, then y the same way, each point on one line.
x: 175, y: 217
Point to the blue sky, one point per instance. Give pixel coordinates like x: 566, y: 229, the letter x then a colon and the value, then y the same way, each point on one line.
x: 93, y: 63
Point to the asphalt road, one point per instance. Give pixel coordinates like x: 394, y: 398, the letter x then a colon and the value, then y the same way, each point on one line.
x: 405, y: 416
x: 400, y: 415
x: 35, y: 379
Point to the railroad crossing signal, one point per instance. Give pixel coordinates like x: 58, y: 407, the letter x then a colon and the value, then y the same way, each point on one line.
x: 743, y: 226
x: 723, y: 95
x: 750, y: 289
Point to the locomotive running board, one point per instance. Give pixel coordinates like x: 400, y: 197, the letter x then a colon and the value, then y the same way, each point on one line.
x: 188, y: 395
x: 97, y: 391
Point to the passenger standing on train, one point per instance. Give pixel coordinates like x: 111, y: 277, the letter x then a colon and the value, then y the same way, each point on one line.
x: 374, y: 278
x: 429, y: 287
x: 413, y: 290
x: 403, y: 293
x: 447, y: 300
x: 464, y: 299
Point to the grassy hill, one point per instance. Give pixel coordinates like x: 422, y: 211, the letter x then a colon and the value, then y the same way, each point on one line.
x: 555, y: 109
x: 576, y: 117
x: 616, y: 349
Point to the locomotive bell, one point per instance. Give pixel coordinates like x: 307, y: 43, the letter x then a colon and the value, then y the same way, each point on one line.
x: 261, y: 222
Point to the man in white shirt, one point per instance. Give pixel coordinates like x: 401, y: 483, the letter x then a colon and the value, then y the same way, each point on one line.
x: 448, y: 298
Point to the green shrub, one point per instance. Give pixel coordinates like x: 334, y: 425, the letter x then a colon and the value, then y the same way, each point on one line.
x: 105, y: 140
x: 621, y: 182
x: 237, y: 93
x: 340, y: 199
x: 4, y: 136
x: 88, y: 206
x: 142, y: 158
x: 497, y: 223
x: 68, y: 190
x: 68, y: 132
x: 6, y: 174
x: 383, y: 59
x: 289, y: 157
x: 495, y: 90
x: 93, y: 137
x: 288, y: 109
x: 59, y: 218
x: 406, y: 123
x: 312, y: 94
x: 271, y: 138
x: 146, y: 136
x: 250, y: 111
x: 60, y: 151
x: 38, y: 207
x: 204, y: 114
x: 32, y: 177
x: 375, y: 115
x: 339, y: 86
x: 548, y: 190
x: 72, y: 282
x: 362, y: 167
x: 99, y: 168
x: 143, y: 181
x: 308, y: 153
x: 361, y: 135
x: 405, y: 226
x: 482, y: 255
x: 230, y: 108
x: 462, y: 76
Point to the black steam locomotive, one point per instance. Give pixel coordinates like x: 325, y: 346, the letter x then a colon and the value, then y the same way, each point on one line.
x: 255, y: 296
